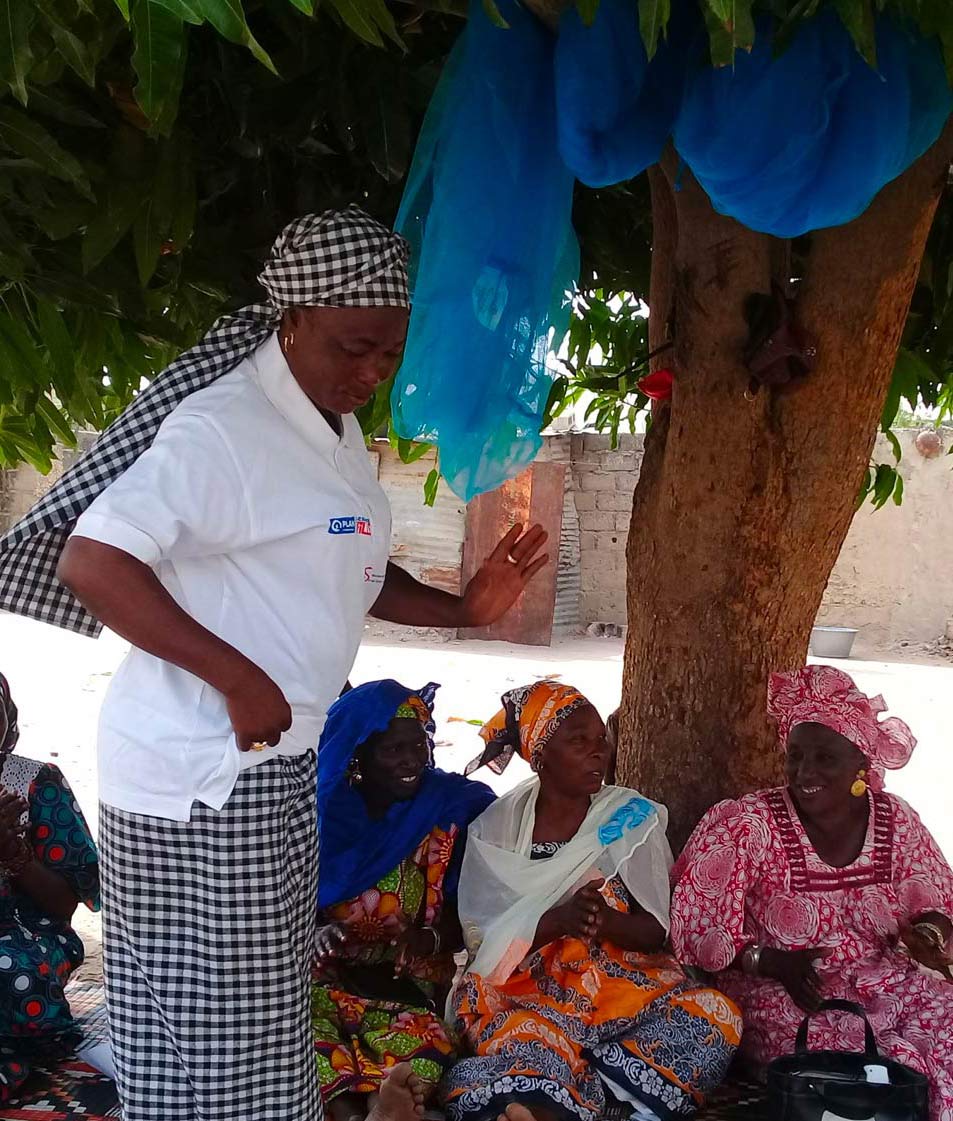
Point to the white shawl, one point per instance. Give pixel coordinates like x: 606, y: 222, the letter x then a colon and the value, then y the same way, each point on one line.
x: 504, y: 893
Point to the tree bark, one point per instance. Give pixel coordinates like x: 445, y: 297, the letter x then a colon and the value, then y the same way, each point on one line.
x: 742, y: 505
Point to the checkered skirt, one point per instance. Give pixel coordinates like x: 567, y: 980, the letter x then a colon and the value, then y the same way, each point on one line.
x: 208, y: 934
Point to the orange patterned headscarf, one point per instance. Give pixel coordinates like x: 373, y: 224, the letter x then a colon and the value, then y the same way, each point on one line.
x: 526, y: 723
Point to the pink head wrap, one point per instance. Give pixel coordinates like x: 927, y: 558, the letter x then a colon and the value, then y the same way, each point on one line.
x: 824, y: 695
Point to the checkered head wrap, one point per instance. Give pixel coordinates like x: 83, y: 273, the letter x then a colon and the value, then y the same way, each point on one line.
x: 341, y: 258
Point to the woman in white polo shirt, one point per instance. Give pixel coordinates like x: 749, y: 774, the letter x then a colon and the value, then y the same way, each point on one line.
x: 239, y: 551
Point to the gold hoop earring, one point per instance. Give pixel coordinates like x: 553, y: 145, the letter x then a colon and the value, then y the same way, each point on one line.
x: 859, y: 786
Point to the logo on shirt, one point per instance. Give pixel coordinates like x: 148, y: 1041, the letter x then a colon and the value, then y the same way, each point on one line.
x: 361, y: 526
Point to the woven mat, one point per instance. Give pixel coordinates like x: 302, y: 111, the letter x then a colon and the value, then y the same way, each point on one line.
x: 70, y: 1091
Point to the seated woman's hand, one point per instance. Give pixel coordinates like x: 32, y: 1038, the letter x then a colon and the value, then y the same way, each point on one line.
x: 12, y: 808
x: 329, y: 941
x: 414, y: 943
x: 926, y: 950
x: 581, y: 916
x: 795, y: 970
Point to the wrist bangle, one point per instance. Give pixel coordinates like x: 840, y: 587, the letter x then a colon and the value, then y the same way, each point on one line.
x: 436, y: 938
x: 751, y: 961
x: 932, y: 933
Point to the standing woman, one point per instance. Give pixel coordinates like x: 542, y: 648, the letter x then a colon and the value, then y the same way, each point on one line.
x: 232, y: 529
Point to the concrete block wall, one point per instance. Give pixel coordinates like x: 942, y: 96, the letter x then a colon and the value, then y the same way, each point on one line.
x: 604, y: 479
x: 21, y: 488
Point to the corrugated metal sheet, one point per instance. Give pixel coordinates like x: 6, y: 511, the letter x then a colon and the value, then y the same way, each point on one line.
x: 567, y: 615
x: 427, y: 540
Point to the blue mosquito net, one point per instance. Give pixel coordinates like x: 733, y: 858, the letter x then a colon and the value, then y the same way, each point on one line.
x: 803, y: 139
x: 615, y: 110
x: 785, y: 140
x: 487, y: 209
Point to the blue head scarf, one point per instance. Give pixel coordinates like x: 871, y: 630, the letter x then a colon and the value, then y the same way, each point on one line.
x: 356, y: 850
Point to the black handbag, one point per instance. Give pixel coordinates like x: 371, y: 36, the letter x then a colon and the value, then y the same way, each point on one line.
x: 828, y: 1085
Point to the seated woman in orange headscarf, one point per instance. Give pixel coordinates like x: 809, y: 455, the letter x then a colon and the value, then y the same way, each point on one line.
x: 568, y: 994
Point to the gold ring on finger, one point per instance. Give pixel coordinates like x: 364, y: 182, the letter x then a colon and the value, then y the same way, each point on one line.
x: 259, y: 746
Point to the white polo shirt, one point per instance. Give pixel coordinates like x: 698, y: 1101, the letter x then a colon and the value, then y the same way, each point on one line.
x: 272, y: 533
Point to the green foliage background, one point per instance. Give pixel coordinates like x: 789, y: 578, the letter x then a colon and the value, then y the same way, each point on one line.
x: 151, y: 149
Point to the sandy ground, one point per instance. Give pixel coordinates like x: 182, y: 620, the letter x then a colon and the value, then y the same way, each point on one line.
x: 58, y: 680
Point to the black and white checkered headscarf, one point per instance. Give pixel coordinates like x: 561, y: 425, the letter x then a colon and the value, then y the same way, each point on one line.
x: 342, y: 258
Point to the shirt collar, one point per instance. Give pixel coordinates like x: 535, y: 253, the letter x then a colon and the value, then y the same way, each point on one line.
x: 276, y: 381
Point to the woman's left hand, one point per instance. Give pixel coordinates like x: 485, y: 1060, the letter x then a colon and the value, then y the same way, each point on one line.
x: 505, y: 573
x: 414, y: 943
x: 924, y: 950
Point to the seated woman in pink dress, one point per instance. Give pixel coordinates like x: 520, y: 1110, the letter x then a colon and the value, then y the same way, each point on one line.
x: 826, y: 887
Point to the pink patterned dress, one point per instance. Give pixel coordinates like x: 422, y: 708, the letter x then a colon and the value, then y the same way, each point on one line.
x: 749, y: 874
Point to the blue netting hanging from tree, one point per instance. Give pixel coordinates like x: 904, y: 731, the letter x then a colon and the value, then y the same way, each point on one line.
x: 804, y: 139
x: 615, y: 110
x: 487, y: 210
x: 785, y: 141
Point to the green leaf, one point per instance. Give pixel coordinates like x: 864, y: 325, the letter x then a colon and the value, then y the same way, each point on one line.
x: 494, y: 15
x: 730, y: 28
x: 894, y: 444
x: 898, y: 491
x: 147, y: 237
x: 59, y: 347
x: 865, y: 489
x: 653, y: 20
x: 16, y: 19
x: 367, y: 19
x: 228, y: 19
x: 56, y: 422
x: 58, y: 110
x: 123, y: 6
x: 74, y: 51
x: 587, y: 9
x: 410, y: 451
x: 431, y: 486
x: 858, y: 17
x: 111, y: 223
x: 189, y: 11
x: 159, y: 61
x: 885, y: 482
x: 27, y: 366
x: 23, y: 135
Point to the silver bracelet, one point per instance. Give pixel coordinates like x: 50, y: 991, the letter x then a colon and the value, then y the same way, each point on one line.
x: 933, y: 934
x: 751, y: 961
x: 436, y: 938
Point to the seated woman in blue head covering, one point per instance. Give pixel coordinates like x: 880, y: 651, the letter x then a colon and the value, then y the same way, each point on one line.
x: 392, y: 828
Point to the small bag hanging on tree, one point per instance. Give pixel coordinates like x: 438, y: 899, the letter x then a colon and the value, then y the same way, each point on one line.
x: 835, y: 1085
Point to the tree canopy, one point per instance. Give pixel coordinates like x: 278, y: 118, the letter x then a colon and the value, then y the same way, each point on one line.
x: 151, y: 149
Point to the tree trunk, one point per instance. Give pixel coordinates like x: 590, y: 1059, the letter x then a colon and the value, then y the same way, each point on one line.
x: 742, y: 505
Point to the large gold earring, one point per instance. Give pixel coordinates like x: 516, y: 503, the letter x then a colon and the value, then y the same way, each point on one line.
x: 288, y: 341
x: 859, y: 786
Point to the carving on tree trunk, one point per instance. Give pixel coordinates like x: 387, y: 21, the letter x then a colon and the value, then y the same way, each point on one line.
x: 742, y: 506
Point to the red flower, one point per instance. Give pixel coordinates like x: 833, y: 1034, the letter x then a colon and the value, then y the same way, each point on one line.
x: 658, y: 385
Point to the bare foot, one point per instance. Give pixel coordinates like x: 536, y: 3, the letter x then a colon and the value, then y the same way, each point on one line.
x: 401, y: 1098
x: 516, y: 1113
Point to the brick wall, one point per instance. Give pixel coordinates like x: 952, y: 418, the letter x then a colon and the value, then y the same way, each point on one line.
x: 604, y: 480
